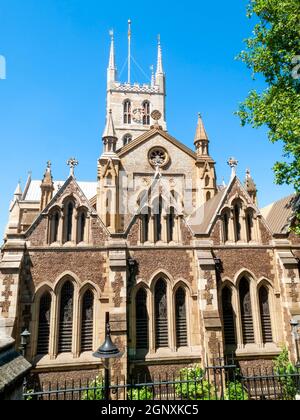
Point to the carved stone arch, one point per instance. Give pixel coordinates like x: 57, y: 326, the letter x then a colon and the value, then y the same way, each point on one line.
x: 43, y: 288
x: 69, y: 198
x: 184, y: 284
x: 63, y: 278
x: 244, y: 273
x: 55, y: 208
x: 139, y: 285
x: 87, y: 285
x: 237, y: 199
x: 161, y: 274
x: 264, y: 282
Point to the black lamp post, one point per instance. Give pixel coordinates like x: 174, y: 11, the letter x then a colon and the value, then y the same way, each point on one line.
x: 25, y: 336
x: 107, y: 351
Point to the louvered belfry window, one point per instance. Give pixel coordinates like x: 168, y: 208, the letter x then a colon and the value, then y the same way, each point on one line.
x: 228, y: 317
x: 161, y: 315
x: 87, y: 324
x: 181, y: 321
x: 246, y: 312
x: 66, y: 318
x: 146, y: 112
x: 265, y: 316
x: 44, y: 324
x: 142, y: 341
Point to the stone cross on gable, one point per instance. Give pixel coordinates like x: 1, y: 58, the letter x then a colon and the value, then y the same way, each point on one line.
x: 72, y: 162
x: 233, y: 163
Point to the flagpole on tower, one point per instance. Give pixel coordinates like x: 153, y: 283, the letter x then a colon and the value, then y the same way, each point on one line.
x: 129, y: 51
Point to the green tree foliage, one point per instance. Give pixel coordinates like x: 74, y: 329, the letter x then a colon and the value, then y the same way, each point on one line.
x: 140, y: 394
x: 273, y: 52
x: 286, y: 372
x: 192, y: 385
x: 95, y: 391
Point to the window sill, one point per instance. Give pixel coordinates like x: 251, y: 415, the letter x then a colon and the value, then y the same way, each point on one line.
x: 66, y: 360
x: 166, y: 354
x: 253, y: 350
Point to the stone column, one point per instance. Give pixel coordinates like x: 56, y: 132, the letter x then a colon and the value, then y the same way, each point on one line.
x: 290, y: 284
x: 209, y: 306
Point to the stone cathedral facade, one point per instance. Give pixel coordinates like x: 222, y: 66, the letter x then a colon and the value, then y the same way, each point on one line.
x: 188, y: 269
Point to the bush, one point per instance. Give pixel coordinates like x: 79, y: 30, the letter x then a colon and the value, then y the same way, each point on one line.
x: 192, y: 386
x: 285, y: 370
x: 236, y: 392
x: 140, y: 394
x: 96, y: 393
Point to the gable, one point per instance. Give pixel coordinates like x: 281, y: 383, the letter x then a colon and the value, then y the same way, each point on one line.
x: 136, y: 159
x: 37, y: 233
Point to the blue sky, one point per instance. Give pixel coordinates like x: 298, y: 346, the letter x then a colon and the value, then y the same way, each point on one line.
x: 52, y: 104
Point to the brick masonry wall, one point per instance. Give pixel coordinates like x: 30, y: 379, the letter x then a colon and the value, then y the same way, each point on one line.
x: 257, y: 261
x: 87, y: 265
x: 179, y: 263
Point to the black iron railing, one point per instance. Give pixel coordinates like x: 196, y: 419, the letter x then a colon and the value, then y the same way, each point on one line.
x: 218, y: 382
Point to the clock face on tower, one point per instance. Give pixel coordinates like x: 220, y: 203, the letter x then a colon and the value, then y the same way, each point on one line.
x: 137, y: 115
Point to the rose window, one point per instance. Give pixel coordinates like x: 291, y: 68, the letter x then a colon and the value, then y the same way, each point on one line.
x: 158, y: 157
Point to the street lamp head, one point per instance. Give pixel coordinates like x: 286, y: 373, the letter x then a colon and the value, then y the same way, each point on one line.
x: 108, y: 350
x: 25, y: 336
x: 294, y: 323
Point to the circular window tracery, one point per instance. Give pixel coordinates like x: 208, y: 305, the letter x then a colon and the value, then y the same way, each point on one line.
x: 158, y: 157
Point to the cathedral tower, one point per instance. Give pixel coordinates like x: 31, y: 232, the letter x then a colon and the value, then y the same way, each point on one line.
x: 131, y: 103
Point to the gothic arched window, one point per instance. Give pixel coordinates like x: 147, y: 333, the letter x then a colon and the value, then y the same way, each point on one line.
x: 265, y: 316
x: 158, y: 208
x: 69, y: 212
x: 226, y: 226
x: 54, y: 227
x: 161, y: 314
x: 66, y: 318
x: 181, y: 321
x: 81, y: 227
x: 87, y: 323
x: 208, y: 195
x: 237, y: 222
x: 246, y: 312
x: 142, y: 340
x: 145, y: 219
x: 228, y: 317
x: 249, y: 225
x: 127, y: 112
x: 44, y: 324
x: 127, y: 139
x: 146, y: 113
x: 171, y: 224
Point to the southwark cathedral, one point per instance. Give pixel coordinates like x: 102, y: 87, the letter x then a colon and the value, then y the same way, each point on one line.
x: 188, y: 269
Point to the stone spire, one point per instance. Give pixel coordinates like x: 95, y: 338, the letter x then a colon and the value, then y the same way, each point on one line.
x: 47, y: 187
x: 201, y: 139
x: 160, y: 76
x: 251, y: 186
x: 112, y: 69
x: 159, y: 69
x: 18, y: 192
x: 109, y: 136
x: 206, y: 175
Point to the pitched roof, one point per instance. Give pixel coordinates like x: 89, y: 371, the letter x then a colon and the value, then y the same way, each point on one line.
x: 151, y: 133
x: 33, y: 192
x: 200, y: 221
x: 279, y: 214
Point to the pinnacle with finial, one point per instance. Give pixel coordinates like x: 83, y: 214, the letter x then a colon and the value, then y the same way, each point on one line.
x: 200, y: 132
x: 72, y: 163
x: 233, y: 163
